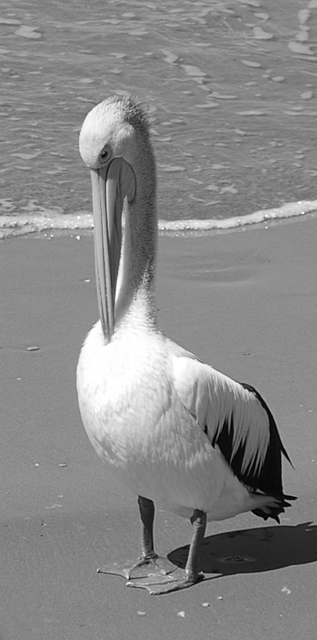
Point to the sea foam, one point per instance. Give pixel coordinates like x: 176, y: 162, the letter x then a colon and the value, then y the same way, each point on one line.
x: 53, y: 220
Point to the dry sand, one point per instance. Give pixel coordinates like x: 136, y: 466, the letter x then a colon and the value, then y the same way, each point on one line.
x: 245, y: 302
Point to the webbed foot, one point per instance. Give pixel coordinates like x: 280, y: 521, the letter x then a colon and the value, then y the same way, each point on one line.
x: 146, y: 567
x: 160, y: 584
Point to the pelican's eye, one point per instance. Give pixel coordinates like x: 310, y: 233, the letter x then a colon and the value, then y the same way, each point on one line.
x: 105, y: 155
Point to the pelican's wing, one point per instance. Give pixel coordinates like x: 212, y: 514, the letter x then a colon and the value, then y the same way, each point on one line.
x: 235, y: 418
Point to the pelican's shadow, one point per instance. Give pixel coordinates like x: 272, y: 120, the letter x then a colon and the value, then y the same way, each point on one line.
x: 254, y: 550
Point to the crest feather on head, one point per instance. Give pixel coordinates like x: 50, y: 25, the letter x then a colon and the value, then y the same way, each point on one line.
x: 134, y: 113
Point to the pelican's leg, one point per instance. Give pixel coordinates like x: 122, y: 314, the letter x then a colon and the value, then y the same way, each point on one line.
x: 147, y: 511
x: 149, y: 565
x: 180, y: 578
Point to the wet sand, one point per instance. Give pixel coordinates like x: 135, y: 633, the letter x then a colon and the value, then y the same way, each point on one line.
x: 245, y: 302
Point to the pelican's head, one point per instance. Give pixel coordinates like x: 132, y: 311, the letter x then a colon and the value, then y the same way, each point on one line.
x: 111, y: 129
x: 109, y: 144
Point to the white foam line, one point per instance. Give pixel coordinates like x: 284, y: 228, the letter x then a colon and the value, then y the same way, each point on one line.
x: 288, y: 210
x: 46, y: 222
x: 17, y: 225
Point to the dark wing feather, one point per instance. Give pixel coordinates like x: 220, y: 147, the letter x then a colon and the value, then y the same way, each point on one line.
x: 268, y: 477
x: 239, y: 423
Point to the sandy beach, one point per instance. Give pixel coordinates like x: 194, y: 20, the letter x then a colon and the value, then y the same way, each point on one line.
x: 245, y: 302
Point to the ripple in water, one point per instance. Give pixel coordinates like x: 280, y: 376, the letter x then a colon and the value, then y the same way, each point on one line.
x: 230, y: 89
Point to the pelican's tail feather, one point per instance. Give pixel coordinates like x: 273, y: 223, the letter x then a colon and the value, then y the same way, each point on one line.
x: 270, y: 506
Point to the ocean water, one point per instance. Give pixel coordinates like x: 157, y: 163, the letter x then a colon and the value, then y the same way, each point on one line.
x: 230, y: 87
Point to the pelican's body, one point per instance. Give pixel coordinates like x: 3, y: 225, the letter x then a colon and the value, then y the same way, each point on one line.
x: 176, y: 431
x: 142, y: 417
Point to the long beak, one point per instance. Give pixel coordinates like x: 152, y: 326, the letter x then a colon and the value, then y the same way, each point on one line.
x: 110, y: 186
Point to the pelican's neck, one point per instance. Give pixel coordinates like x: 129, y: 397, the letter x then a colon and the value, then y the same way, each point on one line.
x: 135, y: 299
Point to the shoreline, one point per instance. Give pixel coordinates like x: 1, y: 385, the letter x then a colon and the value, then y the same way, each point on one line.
x: 56, y: 224
x: 247, y: 304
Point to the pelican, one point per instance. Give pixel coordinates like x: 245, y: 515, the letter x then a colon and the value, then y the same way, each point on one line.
x: 175, y: 431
